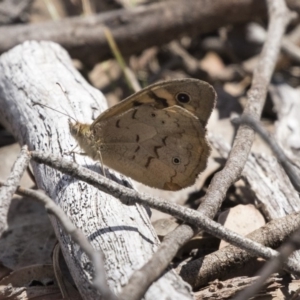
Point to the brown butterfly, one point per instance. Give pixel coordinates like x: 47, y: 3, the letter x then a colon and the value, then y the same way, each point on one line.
x: 156, y: 136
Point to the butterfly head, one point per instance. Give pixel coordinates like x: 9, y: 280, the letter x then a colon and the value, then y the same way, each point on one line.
x: 78, y: 129
x: 83, y: 134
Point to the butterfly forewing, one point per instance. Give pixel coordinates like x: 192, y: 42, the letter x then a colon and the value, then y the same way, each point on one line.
x: 196, y: 96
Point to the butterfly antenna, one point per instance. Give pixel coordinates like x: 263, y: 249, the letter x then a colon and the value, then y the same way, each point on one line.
x: 41, y: 104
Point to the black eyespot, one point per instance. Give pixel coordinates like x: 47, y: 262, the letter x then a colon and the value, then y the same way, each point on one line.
x: 153, y: 115
x: 176, y: 160
x: 183, y: 97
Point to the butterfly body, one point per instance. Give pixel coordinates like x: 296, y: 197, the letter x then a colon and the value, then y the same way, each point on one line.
x: 152, y: 138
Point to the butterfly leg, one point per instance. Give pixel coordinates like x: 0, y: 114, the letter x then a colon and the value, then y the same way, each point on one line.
x: 73, y: 152
x: 101, y: 161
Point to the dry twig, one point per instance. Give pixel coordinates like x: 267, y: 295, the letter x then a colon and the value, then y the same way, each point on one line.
x: 124, y: 233
x: 293, y: 242
x: 282, y: 158
x: 216, y: 265
x: 211, y: 211
x: 129, y: 196
x: 275, y: 264
x: 284, y: 200
x: 7, y: 191
x: 279, y: 18
x: 84, y: 38
x: 96, y: 257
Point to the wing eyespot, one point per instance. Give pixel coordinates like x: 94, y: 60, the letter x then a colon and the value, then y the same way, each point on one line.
x: 176, y: 160
x: 183, y: 97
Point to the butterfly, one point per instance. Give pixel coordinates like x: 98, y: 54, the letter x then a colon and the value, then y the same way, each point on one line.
x: 156, y: 136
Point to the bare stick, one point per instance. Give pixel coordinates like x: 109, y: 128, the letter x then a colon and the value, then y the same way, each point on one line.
x: 124, y: 233
x: 77, y: 235
x: 275, y: 194
x: 284, y: 200
x: 7, y: 191
x: 130, y: 77
x: 130, y: 196
x: 279, y: 18
x: 274, y: 265
x: 282, y: 158
x: 216, y: 265
x: 136, y: 29
x: 293, y: 243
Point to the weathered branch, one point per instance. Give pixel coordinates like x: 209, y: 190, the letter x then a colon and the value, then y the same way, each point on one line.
x: 136, y: 29
x: 29, y: 73
x: 272, y: 266
x: 279, y: 18
x: 129, y: 196
x: 7, y: 191
x: 100, y: 281
x: 281, y: 157
x: 217, y: 264
x: 277, y: 198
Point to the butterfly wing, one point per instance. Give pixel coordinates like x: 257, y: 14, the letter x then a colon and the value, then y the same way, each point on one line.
x: 196, y: 96
x: 162, y: 148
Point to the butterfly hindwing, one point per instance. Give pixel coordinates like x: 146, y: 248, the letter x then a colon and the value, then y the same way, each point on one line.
x: 167, y: 148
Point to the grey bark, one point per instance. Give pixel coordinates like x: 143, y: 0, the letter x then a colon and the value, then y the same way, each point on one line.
x: 29, y: 73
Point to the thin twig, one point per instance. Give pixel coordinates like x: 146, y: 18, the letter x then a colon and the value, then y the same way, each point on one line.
x: 129, y: 75
x: 53, y: 12
x: 291, y: 49
x: 7, y: 191
x: 129, y: 196
x: 288, y: 45
x: 87, y: 8
x: 282, y: 158
x: 134, y: 29
x: 272, y: 266
x: 293, y: 243
x: 279, y: 18
x: 96, y: 257
x: 216, y: 265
